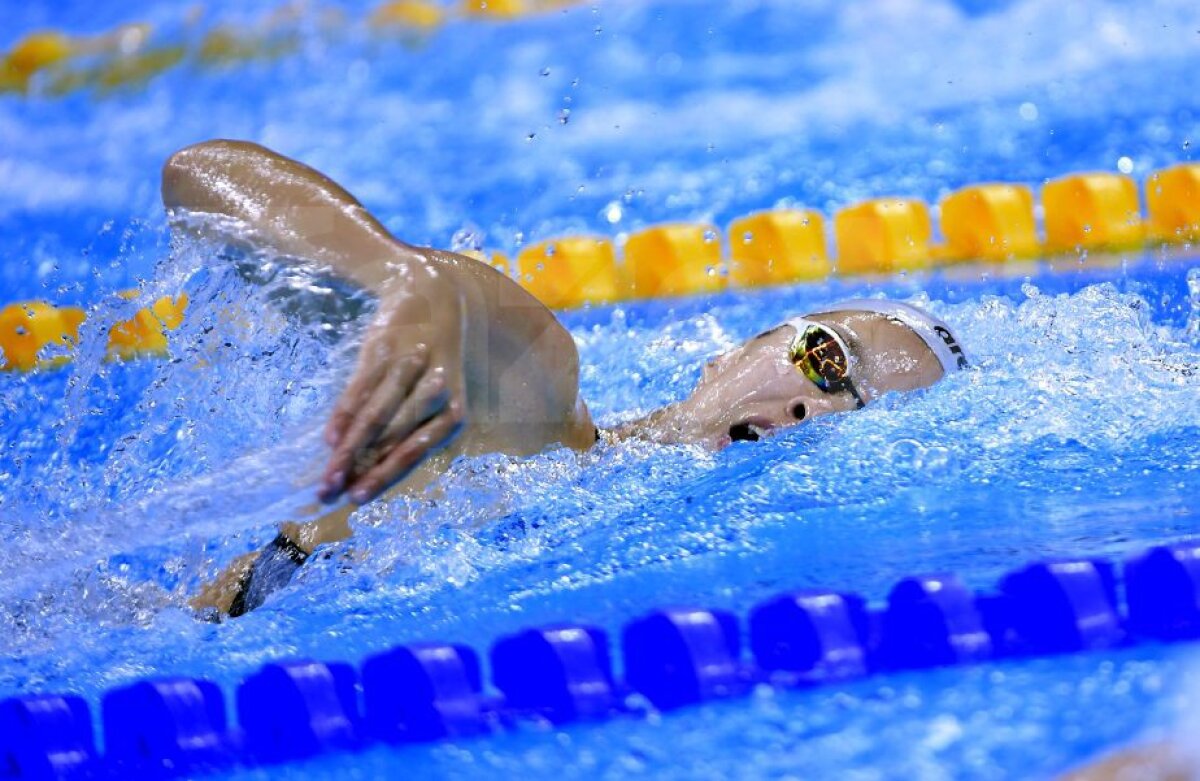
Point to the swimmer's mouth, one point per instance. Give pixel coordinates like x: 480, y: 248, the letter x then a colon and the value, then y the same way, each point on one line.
x: 746, y: 432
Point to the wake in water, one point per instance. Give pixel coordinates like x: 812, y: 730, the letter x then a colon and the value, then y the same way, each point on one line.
x: 203, y: 455
x: 1072, y: 435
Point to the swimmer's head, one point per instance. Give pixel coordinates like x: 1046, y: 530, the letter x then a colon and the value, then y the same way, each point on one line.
x: 834, y: 360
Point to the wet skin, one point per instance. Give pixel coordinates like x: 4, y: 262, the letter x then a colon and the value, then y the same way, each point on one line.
x: 755, y: 389
x: 461, y: 361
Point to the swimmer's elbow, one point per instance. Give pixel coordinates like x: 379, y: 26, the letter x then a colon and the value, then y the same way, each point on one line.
x: 189, y: 175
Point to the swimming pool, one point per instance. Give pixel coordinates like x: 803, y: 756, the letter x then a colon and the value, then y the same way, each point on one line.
x: 122, y: 486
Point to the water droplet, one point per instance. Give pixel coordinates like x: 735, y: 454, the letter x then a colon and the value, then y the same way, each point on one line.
x: 1028, y: 111
x: 564, y: 116
x: 1125, y: 165
x: 710, y: 236
x: 531, y: 136
x: 613, y: 213
x: 545, y: 71
x: 747, y: 237
x: 468, y: 237
x: 1193, y: 283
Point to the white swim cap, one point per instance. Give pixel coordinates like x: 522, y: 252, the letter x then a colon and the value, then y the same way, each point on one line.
x: 934, y: 332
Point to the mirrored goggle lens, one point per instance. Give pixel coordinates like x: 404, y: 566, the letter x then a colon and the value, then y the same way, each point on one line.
x: 821, y: 357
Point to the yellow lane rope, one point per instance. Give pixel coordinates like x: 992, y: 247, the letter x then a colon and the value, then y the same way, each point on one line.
x: 990, y: 222
x: 53, y: 62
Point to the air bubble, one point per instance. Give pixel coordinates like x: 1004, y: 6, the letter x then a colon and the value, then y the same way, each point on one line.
x: 906, y: 453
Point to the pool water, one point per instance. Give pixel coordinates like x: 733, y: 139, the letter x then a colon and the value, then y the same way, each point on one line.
x: 124, y: 486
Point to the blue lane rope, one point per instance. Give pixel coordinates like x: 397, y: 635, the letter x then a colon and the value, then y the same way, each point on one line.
x: 289, y: 710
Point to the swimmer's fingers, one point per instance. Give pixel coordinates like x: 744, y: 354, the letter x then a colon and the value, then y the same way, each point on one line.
x: 368, y: 420
x: 374, y: 361
x: 343, y: 413
x: 355, y: 394
x: 427, y: 399
x: 402, y: 459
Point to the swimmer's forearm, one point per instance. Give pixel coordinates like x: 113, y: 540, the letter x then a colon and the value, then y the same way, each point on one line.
x: 333, y: 526
x: 294, y: 209
x: 1159, y: 761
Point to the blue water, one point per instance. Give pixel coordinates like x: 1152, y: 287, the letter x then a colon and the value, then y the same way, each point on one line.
x: 122, y: 487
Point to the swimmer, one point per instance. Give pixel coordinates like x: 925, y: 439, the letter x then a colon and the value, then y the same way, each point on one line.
x: 461, y: 361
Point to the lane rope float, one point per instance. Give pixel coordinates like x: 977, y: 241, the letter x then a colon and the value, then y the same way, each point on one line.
x: 989, y: 222
x: 169, y: 727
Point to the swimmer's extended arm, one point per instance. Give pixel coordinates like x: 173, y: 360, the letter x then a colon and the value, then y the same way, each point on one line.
x: 451, y: 335
x: 408, y: 393
x: 454, y: 341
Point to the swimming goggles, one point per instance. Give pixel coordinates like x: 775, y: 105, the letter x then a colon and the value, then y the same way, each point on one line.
x: 820, y: 354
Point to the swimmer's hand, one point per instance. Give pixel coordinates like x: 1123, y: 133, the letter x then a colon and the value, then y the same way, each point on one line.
x: 408, y: 395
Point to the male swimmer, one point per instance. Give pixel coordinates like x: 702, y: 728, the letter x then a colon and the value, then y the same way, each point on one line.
x: 461, y: 361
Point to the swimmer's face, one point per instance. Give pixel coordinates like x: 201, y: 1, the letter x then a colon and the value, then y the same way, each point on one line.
x: 756, y: 389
